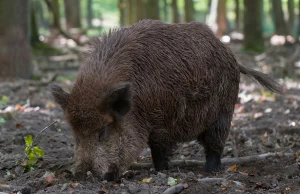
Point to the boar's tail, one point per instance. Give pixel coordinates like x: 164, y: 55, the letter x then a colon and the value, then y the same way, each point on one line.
x: 264, y: 79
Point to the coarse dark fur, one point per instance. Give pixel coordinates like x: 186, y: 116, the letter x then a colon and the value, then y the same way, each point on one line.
x: 153, y: 84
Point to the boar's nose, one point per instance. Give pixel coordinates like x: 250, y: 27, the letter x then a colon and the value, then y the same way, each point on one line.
x: 110, y: 176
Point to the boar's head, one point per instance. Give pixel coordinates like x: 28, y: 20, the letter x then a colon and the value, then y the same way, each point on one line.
x: 103, y: 137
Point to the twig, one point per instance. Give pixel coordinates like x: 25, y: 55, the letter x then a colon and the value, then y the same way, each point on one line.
x: 226, y: 161
x: 43, y: 131
x: 174, y: 189
x: 211, y: 180
x: 10, y: 188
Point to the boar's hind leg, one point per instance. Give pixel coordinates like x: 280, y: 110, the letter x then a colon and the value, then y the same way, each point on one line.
x: 160, y: 152
x: 213, y: 140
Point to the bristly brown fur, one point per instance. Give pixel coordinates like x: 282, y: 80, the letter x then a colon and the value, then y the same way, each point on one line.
x: 183, y: 86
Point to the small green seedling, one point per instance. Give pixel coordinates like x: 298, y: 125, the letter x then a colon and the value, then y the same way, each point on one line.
x: 32, y: 151
x: 3, y: 101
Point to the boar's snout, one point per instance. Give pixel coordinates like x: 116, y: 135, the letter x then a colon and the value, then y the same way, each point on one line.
x: 109, y: 176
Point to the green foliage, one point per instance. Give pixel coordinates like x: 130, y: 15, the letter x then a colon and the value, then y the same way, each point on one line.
x: 2, y: 120
x: 32, y: 153
x: 3, y: 101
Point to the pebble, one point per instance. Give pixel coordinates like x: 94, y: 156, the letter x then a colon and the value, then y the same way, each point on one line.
x: 132, y: 188
x: 161, y: 175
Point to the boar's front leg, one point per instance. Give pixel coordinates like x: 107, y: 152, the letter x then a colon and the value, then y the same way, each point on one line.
x: 160, y: 150
x: 213, y: 140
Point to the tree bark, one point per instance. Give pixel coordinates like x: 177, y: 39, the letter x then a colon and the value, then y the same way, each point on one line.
x: 188, y: 10
x: 122, y: 6
x: 252, y: 26
x: 175, y: 14
x: 166, y: 10
x: 53, y: 7
x: 140, y: 11
x: 34, y: 34
x: 72, y: 10
x: 131, y: 12
x: 237, y: 15
x: 298, y: 31
x: 152, y: 9
x: 291, y: 7
x: 280, y: 24
x: 15, y: 57
x: 89, y: 13
x: 221, y: 18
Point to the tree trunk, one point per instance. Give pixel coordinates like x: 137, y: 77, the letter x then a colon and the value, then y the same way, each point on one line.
x: 280, y: 25
x: 298, y: 31
x: 221, y: 18
x: 34, y: 34
x: 252, y: 26
x: 89, y: 13
x: 188, y: 10
x: 122, y: 6
x: 166, y: 10
x: 213, y: 15
x: 72, y: 10
x: 152, y: 11
x: 291, y: 7
x: 131, y: 12
x: 237, y: 15
x: 175, y: 14
x: 15, y: 59
x: 140, y: 11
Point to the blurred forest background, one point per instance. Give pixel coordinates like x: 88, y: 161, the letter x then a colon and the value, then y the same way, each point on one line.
x: 33, y: 29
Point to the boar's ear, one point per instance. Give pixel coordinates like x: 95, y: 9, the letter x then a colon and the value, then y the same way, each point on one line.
x: 60, y: 96
x: 118, y: 99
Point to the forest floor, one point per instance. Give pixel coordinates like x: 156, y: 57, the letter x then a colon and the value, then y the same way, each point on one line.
x: 261, y: 153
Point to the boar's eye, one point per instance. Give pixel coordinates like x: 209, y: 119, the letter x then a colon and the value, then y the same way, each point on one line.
x: 103, y: 133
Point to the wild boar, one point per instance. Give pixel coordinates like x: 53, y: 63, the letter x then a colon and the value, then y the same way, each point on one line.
x: 152, y: 84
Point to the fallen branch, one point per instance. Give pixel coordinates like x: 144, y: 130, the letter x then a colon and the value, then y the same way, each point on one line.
x: 226, y: 161
x: 211, y: 180
x: 174, y: 189
x: 10, y: 188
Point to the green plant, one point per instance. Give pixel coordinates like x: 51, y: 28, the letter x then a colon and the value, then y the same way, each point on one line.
x: 32, y: 152
x: 2, y: 120
x: 3, y: 101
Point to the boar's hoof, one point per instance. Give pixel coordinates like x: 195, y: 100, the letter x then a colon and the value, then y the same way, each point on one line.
x: 213, y: 162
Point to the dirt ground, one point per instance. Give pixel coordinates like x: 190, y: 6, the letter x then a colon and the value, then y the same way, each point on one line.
x: 263, y: 124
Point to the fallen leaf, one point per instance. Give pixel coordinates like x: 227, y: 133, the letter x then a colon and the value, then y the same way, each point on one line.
x: 232, y: 168
x: 50, y: 105
x: 258, y: 115
x: 172, y: 181
x: 185, y: 185
x: 147, y: 180
x: 296, y: 154
x: 74, y: 185
x: 19, y: 107
x: 49, y: 179
x: 19, y: 126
